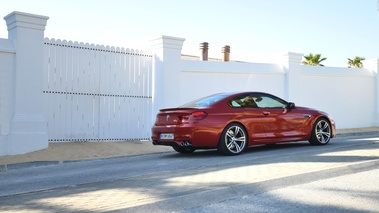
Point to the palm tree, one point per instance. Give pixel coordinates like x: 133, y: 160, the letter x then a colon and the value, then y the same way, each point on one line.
x: 356, y: 62
x: 313, y: 60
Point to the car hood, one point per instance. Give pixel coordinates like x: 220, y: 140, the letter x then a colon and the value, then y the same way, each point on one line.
x: 313, y: 110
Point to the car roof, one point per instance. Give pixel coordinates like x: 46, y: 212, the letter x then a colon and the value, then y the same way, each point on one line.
x: 242, y: 93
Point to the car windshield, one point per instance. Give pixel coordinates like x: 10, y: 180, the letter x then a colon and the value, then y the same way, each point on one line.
x: 204, y: 102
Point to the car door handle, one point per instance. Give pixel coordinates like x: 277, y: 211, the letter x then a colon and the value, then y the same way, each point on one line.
x: 266, y: 113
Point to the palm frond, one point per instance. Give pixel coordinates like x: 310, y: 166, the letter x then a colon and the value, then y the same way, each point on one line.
x: 313, y: 59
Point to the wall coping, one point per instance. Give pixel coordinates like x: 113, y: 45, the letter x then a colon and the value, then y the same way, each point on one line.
x: 25, y: 20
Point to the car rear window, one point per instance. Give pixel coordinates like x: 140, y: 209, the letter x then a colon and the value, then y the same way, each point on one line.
x: 206, y: 101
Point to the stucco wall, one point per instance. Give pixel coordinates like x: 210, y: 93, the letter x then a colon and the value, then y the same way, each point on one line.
x: 201, y: 78
x: 347, y: 94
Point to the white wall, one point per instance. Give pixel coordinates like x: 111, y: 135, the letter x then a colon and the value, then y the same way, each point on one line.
x: 346, y: 94
x: 7, y: 53
x: 202, y: 78
x: 349, y: 95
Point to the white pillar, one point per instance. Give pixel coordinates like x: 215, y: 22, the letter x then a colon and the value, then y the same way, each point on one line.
x: 373, y: 65
x: 292, y: 67
x: 28, y: 125
x: 166, y: 71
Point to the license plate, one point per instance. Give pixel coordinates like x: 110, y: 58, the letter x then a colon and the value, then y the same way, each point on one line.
x: 167, y: 136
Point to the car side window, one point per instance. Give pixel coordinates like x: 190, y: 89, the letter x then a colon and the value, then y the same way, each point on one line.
x: 255, y: 100
x: 271, y: 102
x: 247, y: 101
x: 234, y: 103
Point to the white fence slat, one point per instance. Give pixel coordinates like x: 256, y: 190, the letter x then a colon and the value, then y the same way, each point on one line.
x: 75, y: 118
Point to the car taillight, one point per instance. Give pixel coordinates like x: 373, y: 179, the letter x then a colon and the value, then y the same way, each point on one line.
x: 194, y: 116
x: 198, y: 115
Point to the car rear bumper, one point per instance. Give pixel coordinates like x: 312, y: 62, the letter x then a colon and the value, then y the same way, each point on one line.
x: 185, y: 136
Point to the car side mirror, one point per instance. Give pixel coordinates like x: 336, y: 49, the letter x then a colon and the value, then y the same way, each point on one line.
x: 290, y: 105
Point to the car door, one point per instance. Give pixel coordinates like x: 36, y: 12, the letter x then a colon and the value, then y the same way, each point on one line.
x: 279, y: 121
x: 247, y: 112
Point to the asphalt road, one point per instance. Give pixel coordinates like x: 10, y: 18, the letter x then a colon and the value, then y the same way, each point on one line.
x: 339, y: 177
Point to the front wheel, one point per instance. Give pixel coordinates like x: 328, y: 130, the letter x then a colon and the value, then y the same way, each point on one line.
x: 233, y: 140
x: 183, y: 150
x: 321, y: 132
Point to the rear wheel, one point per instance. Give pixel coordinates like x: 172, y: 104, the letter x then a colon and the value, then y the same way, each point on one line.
x: 321, y: 132
x: 233, y: 140
x: 183, y: 150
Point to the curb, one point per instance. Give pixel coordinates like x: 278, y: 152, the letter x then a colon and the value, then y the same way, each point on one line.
x: 25, y: 165
x: 36, y: 164
x: 347, y: 134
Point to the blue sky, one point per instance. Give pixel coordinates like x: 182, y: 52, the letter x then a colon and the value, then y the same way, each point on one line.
x: 256, y: 30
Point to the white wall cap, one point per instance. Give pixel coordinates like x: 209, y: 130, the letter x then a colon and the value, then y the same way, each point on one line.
x: 25, y: 20
x: 169, y: 42
x: 292, y: 57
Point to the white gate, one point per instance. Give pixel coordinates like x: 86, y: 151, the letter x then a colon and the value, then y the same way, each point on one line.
x: 97, y: 93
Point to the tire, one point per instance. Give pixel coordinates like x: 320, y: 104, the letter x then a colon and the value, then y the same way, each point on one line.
x: 321, y: 132
x: 183, y: 150
x: 233, y: 140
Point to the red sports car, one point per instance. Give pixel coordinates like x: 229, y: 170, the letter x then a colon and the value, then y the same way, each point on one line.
x: 231, y: 122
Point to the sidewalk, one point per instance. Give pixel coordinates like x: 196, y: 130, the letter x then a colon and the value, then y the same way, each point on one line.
x: 59, y: 152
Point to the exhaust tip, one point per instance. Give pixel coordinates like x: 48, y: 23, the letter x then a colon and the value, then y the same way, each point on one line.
x: 186, y: 143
